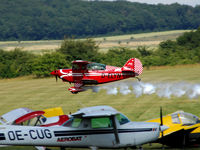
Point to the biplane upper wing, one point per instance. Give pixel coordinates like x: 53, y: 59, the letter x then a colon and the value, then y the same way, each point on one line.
x: 80, y: 62
x: 79, y: 65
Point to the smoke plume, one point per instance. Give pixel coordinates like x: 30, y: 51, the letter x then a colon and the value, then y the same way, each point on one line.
x: 177, y: 89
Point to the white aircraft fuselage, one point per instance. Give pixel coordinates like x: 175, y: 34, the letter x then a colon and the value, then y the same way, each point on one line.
x: 107, y: 129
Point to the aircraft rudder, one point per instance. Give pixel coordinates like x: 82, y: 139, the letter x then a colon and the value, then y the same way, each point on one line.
x: 133, y: 64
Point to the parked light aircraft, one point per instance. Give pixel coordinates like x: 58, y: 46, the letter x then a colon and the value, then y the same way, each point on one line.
x: 91, y: 127
x: 183, y: 131
x: 28, y: 117
x: 88, y: 73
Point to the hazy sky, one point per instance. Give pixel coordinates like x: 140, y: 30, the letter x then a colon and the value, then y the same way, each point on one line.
x: 187, y: 2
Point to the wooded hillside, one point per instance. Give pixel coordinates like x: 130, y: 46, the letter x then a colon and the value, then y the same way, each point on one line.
x: 56, y: 19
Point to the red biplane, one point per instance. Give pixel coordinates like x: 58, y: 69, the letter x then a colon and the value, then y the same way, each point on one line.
x: 90, y: 73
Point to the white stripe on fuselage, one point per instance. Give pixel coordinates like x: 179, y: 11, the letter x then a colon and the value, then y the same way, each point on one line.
x: 93, y: 74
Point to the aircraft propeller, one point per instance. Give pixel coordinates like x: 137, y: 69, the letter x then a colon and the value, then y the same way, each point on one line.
x: 161, y: 124
x: 55, y: 73
x: 56, y: 78
x: 161, y: 121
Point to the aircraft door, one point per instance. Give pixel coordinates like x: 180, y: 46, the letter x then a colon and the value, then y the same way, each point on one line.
x: 125, y: 138
x: 102, y: 132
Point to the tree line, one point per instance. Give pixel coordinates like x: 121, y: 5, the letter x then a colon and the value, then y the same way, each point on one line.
x: 185, y: 50
x: 56, y: 19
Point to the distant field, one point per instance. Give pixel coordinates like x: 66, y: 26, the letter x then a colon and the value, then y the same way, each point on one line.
x: 44, y: 93
x: 150, y: 40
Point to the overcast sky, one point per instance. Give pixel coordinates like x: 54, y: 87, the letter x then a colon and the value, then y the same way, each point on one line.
x: 186, y: 2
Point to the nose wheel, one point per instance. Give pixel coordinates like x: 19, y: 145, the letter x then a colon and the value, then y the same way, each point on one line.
x: 93, y: 148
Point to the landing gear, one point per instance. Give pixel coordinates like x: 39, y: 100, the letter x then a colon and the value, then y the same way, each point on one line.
x: 93, y: 148
x: 138, y: 79
x: 62, y: 148
x: 74, y: 92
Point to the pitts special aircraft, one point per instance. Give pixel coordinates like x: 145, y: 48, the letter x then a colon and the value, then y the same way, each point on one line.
x: 88, y: 73
x: 91, y: 127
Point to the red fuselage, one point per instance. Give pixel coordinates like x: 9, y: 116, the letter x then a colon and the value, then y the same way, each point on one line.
x: 93, y: 76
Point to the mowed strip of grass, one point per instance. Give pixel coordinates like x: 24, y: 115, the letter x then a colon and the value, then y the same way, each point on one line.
x: 39, y: 94
x: 151, y: 40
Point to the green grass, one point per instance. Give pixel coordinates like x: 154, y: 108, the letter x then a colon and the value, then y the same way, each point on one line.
x: 44, y: 93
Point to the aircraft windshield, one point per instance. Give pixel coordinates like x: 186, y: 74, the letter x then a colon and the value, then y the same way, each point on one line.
x: 2, y: 120
x: 36, y: 121
x: 175, y: 118
x: 188, y: 119
x: 96, y: 66
x: 122, y: 119
x: 73, y: 122
x: 184, y: 118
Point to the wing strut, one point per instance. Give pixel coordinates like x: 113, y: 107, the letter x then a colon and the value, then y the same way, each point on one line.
x: 115, y: 129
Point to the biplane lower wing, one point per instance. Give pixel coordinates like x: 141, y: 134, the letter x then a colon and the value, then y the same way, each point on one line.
x: 76, y: 88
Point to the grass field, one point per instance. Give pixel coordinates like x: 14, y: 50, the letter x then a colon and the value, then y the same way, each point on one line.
x: 44, y: 93
x: 150, y: 40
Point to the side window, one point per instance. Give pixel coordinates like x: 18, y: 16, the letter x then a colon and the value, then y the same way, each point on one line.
x: 35, y: 121
x: 31, y: 122
x: 74, y: 123
x: 175, y: 118
x: 103, y: 122
x: 122, y: 119
x: 25, y: 123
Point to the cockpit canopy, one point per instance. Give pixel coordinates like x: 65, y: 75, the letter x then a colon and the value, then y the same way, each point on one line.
x: 89, y: 66
x: 184, y: 118
x: 96, y: 66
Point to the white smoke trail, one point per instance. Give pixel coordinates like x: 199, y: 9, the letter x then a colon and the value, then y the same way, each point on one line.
x: 161, y: 89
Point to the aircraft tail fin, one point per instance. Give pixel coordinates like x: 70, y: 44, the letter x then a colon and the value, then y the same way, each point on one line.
x: 133, y: 65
